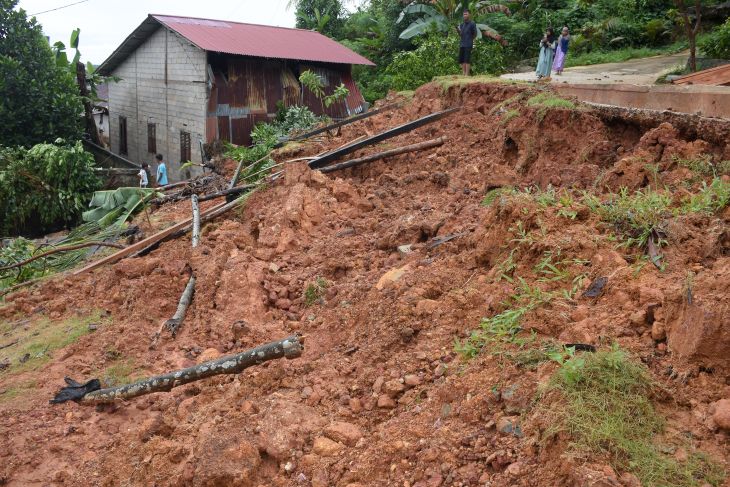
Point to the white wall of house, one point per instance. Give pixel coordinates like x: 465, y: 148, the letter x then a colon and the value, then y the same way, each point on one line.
x: 163, y: 83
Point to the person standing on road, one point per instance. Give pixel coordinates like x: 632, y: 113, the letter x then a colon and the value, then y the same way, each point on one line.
x: 468, y: 32
x: 547, y: 53
x: 562, y: 51
x: 161, y: 171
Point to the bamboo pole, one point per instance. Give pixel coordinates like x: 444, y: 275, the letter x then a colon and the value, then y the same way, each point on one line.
x: 173, y: 324
x: 289, y: 348
x: 196, y: 220
x: 382, y: 155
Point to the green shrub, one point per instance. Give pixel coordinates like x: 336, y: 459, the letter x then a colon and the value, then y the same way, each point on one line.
x: 44, y: 187
x: 717, y: 43
x: 437, y: 55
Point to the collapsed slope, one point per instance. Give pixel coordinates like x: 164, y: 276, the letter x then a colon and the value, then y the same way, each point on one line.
x: 381, y: 396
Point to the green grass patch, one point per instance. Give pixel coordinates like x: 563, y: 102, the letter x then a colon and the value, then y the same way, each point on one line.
x: 448, y: 81
x: 711, y: 198
x: 621, y: 55
x: 606, y: 410
x: 550, y: 100
x: 37, y: 341
x: 509, y: 115
x: 407, y: 94
x: 315, y: 291
x: 119, y: 373
x: 704, y: 166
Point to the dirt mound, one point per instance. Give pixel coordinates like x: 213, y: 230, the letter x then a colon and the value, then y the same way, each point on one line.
x: 381, y: 268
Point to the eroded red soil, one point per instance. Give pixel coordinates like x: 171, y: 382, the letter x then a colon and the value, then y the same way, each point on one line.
x: 379, y: 396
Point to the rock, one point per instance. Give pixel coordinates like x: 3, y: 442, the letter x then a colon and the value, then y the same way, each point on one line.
x: 721, y: 416
x: 393, y: 387
x: 378, y: 385
x: 385, y: 402
x: 325, y: 447
x: 681, y: 455
x: 342, y: 432
x: 509, y: 425
x: 404, y: 250
x: 426, y: 307
x: 638, y: 318
x: 516, y: 469
x: 208, y: 354
x: 406, y: 334
x: 355, y: 405
x: 412, y: 380
x: 240, y: 329
x: 630, y: 480
x: 658, y: 332
x: 392, y: 275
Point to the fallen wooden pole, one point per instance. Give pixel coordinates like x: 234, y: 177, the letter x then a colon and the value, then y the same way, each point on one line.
x: 152, y: 239
x: 67, y: 248
x: 237, y: 174
x: 171, y: 186
x: 173, y: 324
x: 382, y: 155
x: 339, y: 124
x: 196, y: 220
x: 394, y: 132
x: 289, y: 348
x: 227, y: 192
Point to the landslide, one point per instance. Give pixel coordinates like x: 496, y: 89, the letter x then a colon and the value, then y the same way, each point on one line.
x: 352, y: 261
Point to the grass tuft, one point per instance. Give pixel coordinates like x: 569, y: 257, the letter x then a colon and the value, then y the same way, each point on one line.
x: 710, y: 199
x: 549, y: 100
x: 606, y: 410
x: 635, y: 216
x: 315, y: 291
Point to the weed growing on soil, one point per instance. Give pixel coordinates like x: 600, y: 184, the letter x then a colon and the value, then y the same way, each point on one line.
x: 315, y: 291
x: 704, y: 166
x: 710, y: 199
x: 18, y: 390
x: 606, y: 410
x: 36, y: 343
x: 118, y: 374
x: 635, y: 216
x: 549, y: 100
x: 509, y: 115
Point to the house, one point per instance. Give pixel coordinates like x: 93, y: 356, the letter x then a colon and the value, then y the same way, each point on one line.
x: 187, y: 81
x: 101, y: 112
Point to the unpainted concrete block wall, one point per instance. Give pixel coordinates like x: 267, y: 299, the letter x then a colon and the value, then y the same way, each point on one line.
x: 174, y: 103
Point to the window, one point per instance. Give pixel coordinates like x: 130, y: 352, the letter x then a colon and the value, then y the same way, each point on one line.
x: 184, y: 147
x: 123, y: 135
x: 152, y: 138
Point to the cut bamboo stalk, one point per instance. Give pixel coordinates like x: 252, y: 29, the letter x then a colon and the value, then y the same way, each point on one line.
x: 289, y: 348
x: 226, y: 192
x: 236, y: 174
x: 196, y: 220
x: 382, y: 155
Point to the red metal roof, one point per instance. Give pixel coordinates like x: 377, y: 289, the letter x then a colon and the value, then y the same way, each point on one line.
x: 261, y: 40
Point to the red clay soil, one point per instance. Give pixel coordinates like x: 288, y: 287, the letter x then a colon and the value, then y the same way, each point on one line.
x: 379, y: 397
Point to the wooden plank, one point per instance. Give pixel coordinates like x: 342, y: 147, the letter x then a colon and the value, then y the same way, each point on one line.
x: 144, y: 243
x: 394, y: 132
x: 717, y: 76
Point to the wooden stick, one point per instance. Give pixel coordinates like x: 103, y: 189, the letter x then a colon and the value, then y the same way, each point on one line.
x: 289, y: 348
x: 382, y: 155
x: 67, y: 248
x: 149, y: 240
x: 173, y: 324
x: 236, y: 174
x: 196, y: 220
x: 173, y: 185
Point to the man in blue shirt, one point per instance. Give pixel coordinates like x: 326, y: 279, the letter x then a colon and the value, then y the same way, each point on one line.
x: 161, y: 171
x: 468, y: 32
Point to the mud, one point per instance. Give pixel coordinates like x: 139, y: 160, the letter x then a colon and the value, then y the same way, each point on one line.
x: 379, y: 396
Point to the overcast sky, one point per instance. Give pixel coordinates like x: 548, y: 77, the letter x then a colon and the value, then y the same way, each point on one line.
x: 106, y: 23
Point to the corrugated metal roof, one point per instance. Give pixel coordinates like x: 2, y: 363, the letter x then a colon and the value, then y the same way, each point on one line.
x: 261, y: 40
x: 238, y: 38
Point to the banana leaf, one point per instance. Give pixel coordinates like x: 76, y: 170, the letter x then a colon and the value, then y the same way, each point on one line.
x: 105, y: 203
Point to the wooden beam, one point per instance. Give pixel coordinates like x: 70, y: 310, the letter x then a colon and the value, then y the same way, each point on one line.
x: 382, y: 155
x: 394, y: 132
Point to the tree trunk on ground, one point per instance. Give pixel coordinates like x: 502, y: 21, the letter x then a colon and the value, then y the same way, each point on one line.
x: 173, y: 324
x: 289, y: 348
x: 196, y: 220
x: 91, y: 129
x: 691, y: 30
x: 382, y: 155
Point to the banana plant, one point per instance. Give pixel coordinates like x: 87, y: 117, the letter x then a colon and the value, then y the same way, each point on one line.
x: 442, y: 14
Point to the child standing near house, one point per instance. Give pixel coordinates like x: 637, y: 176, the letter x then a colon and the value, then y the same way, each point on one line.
x: 161, y: 171
x: 562, y: 51
x: 142, y: 175
x: 547, y: 53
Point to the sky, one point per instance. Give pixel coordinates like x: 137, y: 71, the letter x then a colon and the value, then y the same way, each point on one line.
x: 106, y: 23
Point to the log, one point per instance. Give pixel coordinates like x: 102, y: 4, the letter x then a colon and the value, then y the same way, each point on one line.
x: 173, y: 324
x: 382, y: 155
x: 172, y: 185
x: 289, y: 348
x: 394, y: 132
x: 226, y: 192
x: 67, y: 248
x: 148, y: 241
x: 196, y: 220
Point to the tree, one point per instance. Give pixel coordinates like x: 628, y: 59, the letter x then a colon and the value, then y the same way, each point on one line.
x: 443, y: 14
x: 690, y: 29
x: 38, y: 100
x: 324, y: 16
